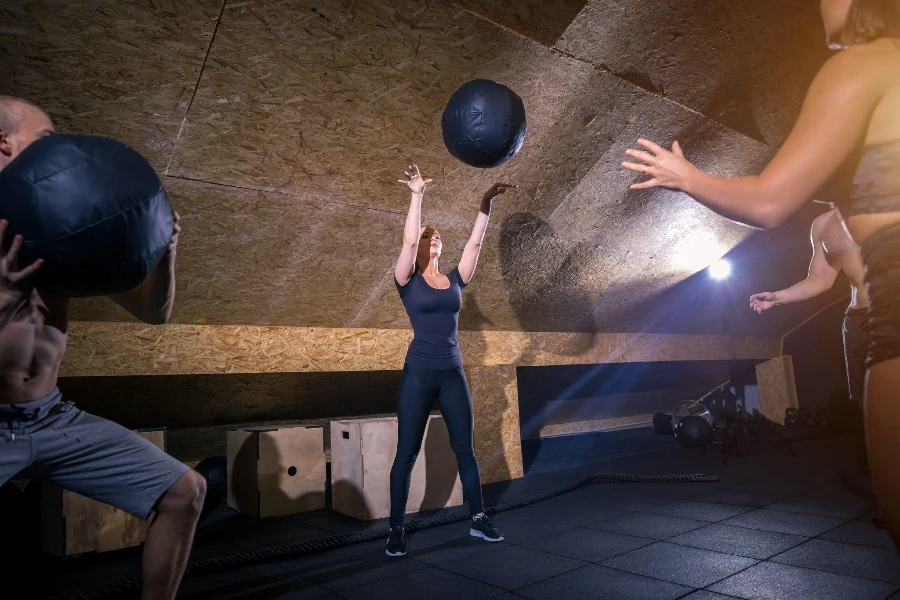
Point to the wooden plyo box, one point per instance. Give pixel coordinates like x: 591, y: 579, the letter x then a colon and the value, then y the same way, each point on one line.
x: 276, y: 470
x: 72, y: 524
x: 362, y: 453
x: 777, y: 389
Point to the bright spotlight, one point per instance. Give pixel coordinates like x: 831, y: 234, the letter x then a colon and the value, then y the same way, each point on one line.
x: 696, y: 253
x: 720, y: 269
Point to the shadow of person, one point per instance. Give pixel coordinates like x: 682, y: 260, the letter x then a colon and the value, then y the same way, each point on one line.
x: 441, y: 471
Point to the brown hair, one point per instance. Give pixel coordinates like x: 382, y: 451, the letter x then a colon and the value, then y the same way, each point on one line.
x: 870, y: 20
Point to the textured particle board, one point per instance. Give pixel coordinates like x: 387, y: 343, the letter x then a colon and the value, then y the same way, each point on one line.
x: 777, y: 388
x: 541, y: 20
x: 335, y: 97
x: 745, y: 64
x: 496, y: 406
x: 248, y: 257
x: 129, y: 349
x: 123, y: 69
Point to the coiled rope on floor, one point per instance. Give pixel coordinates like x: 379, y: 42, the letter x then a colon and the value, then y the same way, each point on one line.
x: 297, y: 549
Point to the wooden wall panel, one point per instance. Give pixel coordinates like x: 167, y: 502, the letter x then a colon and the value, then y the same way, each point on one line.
x: 118, y: 349
x: 744, y: 64
x: 124, y: 69
x: 541, y: 20
x: 336, y: 98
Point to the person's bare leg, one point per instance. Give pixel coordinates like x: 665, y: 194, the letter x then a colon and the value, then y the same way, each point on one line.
x: 883, y: 439
x: 169, y: 539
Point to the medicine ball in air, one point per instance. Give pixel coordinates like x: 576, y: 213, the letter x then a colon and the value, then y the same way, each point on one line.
x: 484, y: 124
x: 92, y: 208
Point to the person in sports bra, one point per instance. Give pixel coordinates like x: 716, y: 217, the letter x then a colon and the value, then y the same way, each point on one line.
x: 844, y: 148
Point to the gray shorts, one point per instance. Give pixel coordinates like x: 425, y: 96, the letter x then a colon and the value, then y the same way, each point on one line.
x: 54, y: 441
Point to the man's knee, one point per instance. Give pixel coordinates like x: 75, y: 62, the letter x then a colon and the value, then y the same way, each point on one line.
x: 185, y: 496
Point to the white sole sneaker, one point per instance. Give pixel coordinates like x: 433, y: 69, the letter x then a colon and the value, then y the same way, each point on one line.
x: 476, y: 533
x: 389, y: 553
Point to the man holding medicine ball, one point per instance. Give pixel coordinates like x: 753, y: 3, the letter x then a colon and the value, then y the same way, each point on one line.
x: 46, y: 438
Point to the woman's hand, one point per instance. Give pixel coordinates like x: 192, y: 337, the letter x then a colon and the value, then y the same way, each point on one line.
x: 497, y: 189
x: 414, y: 180
x: 666, y: 169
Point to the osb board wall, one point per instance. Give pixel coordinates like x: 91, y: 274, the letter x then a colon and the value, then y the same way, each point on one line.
x: 130, y: 349
x: 541, y: 20
x: 336, y: 101
x: 777, y: 389
x: 744, y: 64
x: 322, y: 104
x: 498, y: 445
x: 125, y: 69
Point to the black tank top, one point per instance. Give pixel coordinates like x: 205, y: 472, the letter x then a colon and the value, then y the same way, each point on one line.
x: 434, y: 315
x: 876, y: 184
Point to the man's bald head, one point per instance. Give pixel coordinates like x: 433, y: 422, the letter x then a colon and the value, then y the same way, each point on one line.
x: 21, y: 123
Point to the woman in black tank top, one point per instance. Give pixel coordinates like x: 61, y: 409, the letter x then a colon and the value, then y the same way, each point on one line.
x: 433, y: 369
x: 850, y: 122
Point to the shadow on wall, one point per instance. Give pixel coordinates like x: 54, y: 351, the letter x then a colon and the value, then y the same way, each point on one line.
x: 440, y: 473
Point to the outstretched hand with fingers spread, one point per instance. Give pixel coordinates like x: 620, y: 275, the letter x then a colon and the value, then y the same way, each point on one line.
x: 13, y: 279
x: 665, y: 169
x: 414, y: 180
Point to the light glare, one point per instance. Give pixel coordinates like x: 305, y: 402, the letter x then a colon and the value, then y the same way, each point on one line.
x: 720, y: 269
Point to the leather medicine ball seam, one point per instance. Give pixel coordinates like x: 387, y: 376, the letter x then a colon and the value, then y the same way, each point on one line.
x: 137, y: 205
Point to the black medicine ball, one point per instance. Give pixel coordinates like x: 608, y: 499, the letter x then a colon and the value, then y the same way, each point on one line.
x: 484, y: 124
x: 694, y: 430
x: 92, y: 208
x: 215, y: 471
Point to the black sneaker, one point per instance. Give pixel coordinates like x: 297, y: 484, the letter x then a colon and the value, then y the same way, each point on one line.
x: 484, y: 528
x: 396, y: 544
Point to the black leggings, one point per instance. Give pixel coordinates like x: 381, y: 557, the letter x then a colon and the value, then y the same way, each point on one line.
x: 418, y: 389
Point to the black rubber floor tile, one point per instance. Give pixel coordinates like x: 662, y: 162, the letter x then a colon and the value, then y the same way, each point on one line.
x: 649, y: 526
x: 361, y: 569
x: 773, y: 581
x: 706, y: 595
x: 591, y: 545
x: 593, y: 582
x: 699, y: 511
x: 679, y: 564
x: 514, y: 567
x: 784, y: 522
x: 861, y: 532
x: 843, y: 506
x: 427, y: 584
x: 567, y: 511
x: 752, y: 543
x: 845, y: 559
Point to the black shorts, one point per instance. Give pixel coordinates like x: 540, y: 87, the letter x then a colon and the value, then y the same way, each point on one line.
x: 881, y: 254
